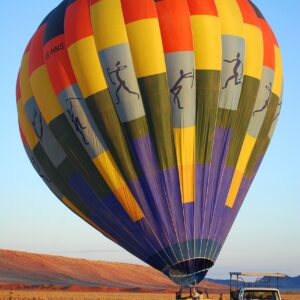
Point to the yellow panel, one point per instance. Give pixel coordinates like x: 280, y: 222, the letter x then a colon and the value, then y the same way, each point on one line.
x: 29, y: 134
x: 109, y: 171
x: 254, y: 51
x: 86, y: 66
x: 185, y: 144
x: 108, y: 24
x: 70, y: 205
x: 234, y: 188
x: 146, y: 47
x: 244, y: 157
x: 44, y: 94
x: 187, y: 179
x: 25, y: 87
x: 277, y: 83
x: 246, y: 151
x: 207, y: 42
x: 231, y: 17
x: 185, y: 151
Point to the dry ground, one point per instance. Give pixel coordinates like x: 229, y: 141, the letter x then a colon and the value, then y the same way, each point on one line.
x: 59, y: 295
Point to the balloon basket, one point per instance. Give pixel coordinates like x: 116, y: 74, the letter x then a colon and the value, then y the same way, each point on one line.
x: 191, y: 294
x: 187, y: 298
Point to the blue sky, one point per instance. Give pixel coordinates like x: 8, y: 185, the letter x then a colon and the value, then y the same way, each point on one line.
x: 266, y: 233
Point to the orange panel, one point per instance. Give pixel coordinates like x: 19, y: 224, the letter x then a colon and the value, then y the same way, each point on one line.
x: 268, y: 38
x: 204, y: 7
x: 175, y: 25
x: 58, y: 64
x: 134, y: 10
x: 77, y: 22
x: 248, y: 13
x: 36, y: 53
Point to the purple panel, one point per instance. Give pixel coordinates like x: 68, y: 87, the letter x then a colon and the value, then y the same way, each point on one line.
x: 163, y: 196
x: 202, y: 173
x: 109, y: 215
x: 217, y: 218
x: 135, y: 247
x: 245, y: 185
x: 209, y: 180
x: 152, y: 184
x: 170, y: 182
x: 188, y: 209
x: 151, y: 223
x: 229, y: 214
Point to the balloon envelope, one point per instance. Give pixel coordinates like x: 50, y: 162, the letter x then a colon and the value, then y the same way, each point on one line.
x: 149, y: 119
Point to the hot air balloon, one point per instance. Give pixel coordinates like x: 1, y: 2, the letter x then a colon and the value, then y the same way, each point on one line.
x: 149, y: 119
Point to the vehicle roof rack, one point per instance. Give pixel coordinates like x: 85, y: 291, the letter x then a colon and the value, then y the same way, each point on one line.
x: 235, y: 284
x: 258, y: 274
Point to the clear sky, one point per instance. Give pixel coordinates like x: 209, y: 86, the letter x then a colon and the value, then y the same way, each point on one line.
x: 266, y: 233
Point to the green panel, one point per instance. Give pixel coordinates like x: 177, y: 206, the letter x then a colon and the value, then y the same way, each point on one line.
x: 59, y: 177
x: 263, y: 140
x: 107, y: 121
x: 78, y: 156
x: 207, y: 97
x: 156, y: 98
x: 136, y: 129
x: 241, y: 118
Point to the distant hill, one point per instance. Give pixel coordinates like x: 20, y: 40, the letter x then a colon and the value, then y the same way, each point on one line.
x: 27, y: 270
x: 285, y: 283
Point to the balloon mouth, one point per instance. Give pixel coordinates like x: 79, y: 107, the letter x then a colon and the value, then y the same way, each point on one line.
x: 190, y: 272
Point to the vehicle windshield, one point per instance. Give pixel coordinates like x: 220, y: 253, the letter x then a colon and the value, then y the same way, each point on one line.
x: 261, y: 295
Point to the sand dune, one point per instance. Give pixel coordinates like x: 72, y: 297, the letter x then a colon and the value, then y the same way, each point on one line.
x: 24, y: 270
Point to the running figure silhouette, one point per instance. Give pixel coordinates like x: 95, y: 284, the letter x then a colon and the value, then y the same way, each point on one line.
x: 177, y: 87
x: 39, y: 133
x: 269, y: 88
x: 277, y: 115
x: 75, y: 120
x: 121, y: 83
x: 236, y: 76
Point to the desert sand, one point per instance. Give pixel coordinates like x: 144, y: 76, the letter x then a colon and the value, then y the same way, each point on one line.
x: 27, y: 276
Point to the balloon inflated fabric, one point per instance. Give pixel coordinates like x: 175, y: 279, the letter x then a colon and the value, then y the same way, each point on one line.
x: 149, y: 119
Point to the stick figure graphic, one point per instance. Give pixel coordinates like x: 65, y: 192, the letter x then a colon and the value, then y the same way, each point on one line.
x: 277, y: 115
x: 236, y: 76
x: 121, y: 83
x: 177, y: 87
x: 38, y: 131
x: 269, y: 88
x: 76, y: 121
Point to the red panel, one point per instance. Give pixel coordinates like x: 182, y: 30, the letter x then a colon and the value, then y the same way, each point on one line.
x: 134, y: 10
x: 77, y: 22
x: 175, y: 25
x: 18, y: 89
x: 93, y: 1
x: 58, y: 64
x: 27, y: 47
x: 204, y: 7
x: 36, y: 58
x: 248, y: 13
x: 269, y: 42
x: 274, y: 37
